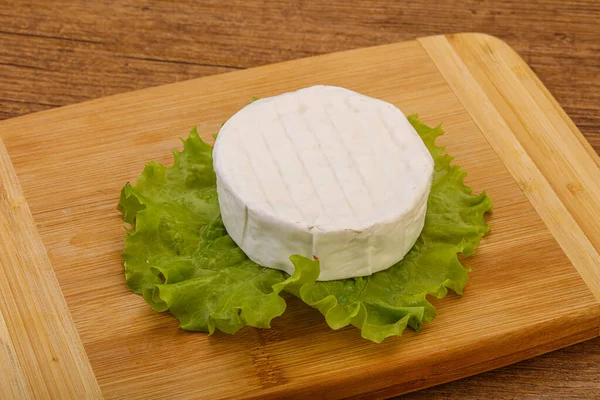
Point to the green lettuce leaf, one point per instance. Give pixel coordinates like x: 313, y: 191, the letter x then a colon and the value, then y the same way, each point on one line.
x: 180, y: 258
x: 383, y: 304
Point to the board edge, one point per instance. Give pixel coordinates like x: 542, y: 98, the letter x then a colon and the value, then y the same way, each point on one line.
x: 548, y: 336
x: 482, y: 98
x: 489, y: 365
x: 209, y: 77
x: 42, y: 347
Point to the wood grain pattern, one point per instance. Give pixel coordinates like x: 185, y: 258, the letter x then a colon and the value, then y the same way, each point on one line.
x: 92, y: 49
x: 524, y: 298
x: 40, y: 351
x: 59, y: 52
x: 13, y: 383
x: 554, y: 168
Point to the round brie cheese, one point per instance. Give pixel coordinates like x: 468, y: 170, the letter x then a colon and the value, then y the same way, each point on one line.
x: 323, y: 172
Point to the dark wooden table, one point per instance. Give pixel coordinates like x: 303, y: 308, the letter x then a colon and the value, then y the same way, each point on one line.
x: 54, y: 53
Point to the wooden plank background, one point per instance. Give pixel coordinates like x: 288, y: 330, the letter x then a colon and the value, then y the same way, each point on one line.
x: 54, y: 53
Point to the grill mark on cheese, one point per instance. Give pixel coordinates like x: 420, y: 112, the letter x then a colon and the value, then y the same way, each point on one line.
x: 316, y: 191
x: 400, y: 145
x: 298, y: 156
x: 283, y: 182
x: 255, y: 173
x: 351, y: 150
x: 310, y: 178
x: 351, y: 130
x: 390, y: 146
x: 373, y: 142
x: 327, y: 178
x: 335, y: 173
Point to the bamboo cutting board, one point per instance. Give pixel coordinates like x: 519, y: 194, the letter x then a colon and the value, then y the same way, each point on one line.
x: 69, y: 328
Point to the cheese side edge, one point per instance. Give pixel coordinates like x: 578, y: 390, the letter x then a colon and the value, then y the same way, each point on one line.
x: 359, y: 242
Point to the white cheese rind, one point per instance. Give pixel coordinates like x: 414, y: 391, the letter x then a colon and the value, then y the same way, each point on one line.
x: 325, y: 172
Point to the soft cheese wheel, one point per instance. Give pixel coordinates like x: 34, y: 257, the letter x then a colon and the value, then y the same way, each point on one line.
x: 323, y: 172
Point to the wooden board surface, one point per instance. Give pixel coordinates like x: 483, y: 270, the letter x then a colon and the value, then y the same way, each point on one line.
x: 534, y: 286
x: 89, y: 49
